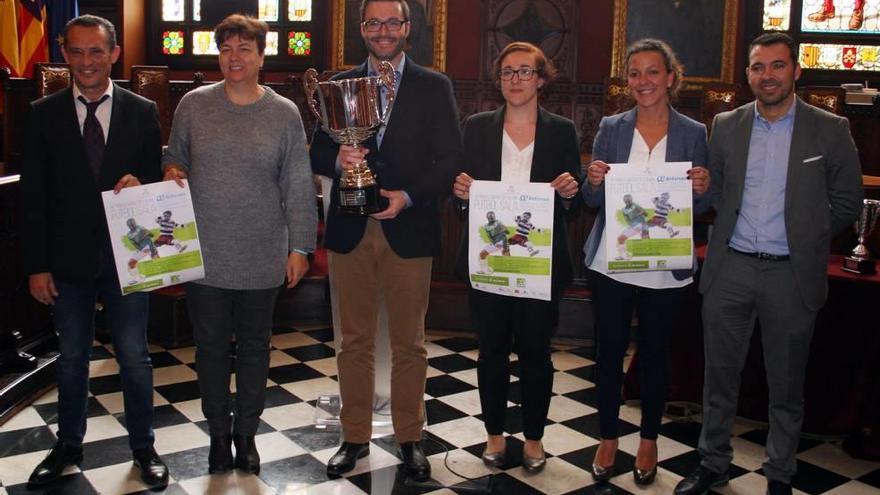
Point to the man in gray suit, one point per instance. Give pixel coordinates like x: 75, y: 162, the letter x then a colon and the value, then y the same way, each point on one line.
x: 785, y: 179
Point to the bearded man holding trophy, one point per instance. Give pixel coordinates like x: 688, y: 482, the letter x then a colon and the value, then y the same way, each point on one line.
x: 383, y: 225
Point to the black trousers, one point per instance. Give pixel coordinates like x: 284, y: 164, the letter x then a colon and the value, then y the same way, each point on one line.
x: 522, y: 325
x: 216, y: 316
x: 658, y: 310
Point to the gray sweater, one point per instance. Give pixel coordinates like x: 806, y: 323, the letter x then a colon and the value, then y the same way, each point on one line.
x: 252, y: 186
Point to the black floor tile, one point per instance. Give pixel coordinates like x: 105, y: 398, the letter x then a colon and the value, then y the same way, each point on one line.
x: 438, y: 386
x: 760, y: 437
x: 439, y: 412
x: 600, y: 489
x: 311, y: 352
x: 813, y: 479
x: 451, y: 363
x: 503, y: 483
x: 26, y: 440
x: 587, y: 396
x: 105, y: 384
x: 432, y: 444
x: 313, y: 439
x: 180, y: 392
x: 293, y: 373
x: 277, y: 396
x: 166, y: 415
x: 187, y: 464
x: 458, y: 344
x: 872, y: 478
x: 164, y: 359
x: 100, y: 352
x: 106, y: 452
x: 584, y: 372
x: 300, y: 469
x: 321, y: 335
x: 589, y: 425
x: 49, y: 411
x: 390, y: 480
x: 583, y: 458
x: 685, y: 432
x: 71, y: 484
x: 687, y: 463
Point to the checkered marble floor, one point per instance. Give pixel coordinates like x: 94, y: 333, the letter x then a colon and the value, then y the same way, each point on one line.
x: 294, y: 452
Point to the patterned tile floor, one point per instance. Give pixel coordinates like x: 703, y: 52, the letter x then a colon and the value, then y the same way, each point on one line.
x: 294, y: 452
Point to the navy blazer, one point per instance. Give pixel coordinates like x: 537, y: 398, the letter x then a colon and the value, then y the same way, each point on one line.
x: 420, y: 152
x: 556, y: 151
x: 685, y: 142
x: 63, y: 222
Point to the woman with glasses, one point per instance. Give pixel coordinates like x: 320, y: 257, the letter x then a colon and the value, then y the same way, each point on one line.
x: 652, y: 132
x: 519, y: 143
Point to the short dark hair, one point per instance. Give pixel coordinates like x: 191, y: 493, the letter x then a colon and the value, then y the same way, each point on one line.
x: 669, y: 59
x: 245, y: 27
x: 89, y: 20
x: 543, y: 65
x: 403, y: 6
x: 773, y: 38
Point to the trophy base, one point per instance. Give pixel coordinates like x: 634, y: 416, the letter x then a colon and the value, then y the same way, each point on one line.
x: 359, y: 201
x: 862, y: 266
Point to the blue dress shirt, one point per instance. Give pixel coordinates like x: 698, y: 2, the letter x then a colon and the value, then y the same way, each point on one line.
x: 760, y: 226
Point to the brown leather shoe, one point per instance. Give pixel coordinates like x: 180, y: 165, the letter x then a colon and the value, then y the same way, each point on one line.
x: 821, y: 16
x: 858, y: 17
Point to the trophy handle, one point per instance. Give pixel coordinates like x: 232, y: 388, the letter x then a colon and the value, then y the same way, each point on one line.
x: 386, y: 75
x: 310, y: 84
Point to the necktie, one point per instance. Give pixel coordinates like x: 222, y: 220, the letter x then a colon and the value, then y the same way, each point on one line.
x: 93, y: 135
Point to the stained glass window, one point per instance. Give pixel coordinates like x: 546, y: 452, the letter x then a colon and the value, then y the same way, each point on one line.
x: 172, y: 43
x: 299, y: 43
x: 840, y: 57
x: 777, y: 15
x: 203, y: 43
x: 172, y: 10
x: 267, y: 10
x: 271, y: 43
x: 299, y: 10
x: 841, y: 16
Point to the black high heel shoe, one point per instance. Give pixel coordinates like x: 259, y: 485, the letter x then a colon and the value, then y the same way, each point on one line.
x: 643, y: 477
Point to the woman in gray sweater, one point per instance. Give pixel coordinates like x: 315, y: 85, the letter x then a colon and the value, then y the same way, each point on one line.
x: 243, y: 149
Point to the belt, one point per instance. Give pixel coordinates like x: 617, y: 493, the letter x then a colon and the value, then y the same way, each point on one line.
x: 763, y: 256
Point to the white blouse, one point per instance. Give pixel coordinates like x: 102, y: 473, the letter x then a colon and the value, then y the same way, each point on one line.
x: 516, y: 164
x: 661, y: 279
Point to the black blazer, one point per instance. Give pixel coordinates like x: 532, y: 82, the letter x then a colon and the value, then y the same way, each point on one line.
x: 556, y: 151
x: 64, y: 227
x: 420, y: 152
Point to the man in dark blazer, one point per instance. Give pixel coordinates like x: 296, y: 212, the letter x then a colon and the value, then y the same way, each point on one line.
x: 785, y: 179
x: 67, y: 252
x: 390, y: 252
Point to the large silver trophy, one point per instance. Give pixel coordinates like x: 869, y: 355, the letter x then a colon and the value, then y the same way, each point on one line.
x: 350, y: 110
x: 860, y: 261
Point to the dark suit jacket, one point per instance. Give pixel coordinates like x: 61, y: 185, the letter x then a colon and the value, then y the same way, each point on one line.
x: 64, y: 227
x: 420, y: 153
x: 823, y: 193
x: 556, y: 151
x: 685, y: 142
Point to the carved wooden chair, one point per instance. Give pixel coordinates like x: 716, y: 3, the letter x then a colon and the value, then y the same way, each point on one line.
x: 151, y: 82
x: 825, y: 97
x: 50, y: 78
x: 616, y: 97
x: 717, y: 98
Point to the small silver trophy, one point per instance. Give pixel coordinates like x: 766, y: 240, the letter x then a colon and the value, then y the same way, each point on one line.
x: 350, y: 111
x: 860, y: 262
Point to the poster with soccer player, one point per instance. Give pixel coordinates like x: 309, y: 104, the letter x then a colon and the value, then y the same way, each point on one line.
x: 154, y: 236
x: 510, y: 238
x: 648, y: 217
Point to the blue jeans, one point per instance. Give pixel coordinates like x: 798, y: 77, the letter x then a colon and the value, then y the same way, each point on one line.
x: 217, y: 315
x: 74, y: 319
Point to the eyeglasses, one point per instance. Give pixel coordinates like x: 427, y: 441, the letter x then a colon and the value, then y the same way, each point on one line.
x: 524, y: 73
x: 375, y: 25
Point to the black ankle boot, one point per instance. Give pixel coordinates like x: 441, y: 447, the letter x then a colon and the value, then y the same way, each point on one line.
x: 220, y: 456
x: 247, y: 458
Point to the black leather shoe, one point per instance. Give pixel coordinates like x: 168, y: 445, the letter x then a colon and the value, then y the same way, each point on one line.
x: 247, y: 458
x: 414, y: 461
x: 700, y: 481
x: 778, y: 488
x: 154, y: 472
x: 49, y: 471
x: 346, y: 457
x: 220, y: 455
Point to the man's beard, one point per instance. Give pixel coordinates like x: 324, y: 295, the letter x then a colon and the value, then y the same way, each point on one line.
x: 401, y: 44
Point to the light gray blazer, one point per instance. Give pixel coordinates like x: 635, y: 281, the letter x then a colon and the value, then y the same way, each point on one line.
x: 823, y: 193
x: 685, y: 142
